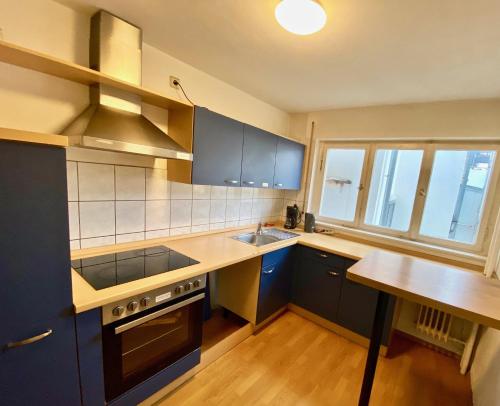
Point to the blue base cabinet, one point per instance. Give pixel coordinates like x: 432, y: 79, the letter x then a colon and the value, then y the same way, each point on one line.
x: 35, y: 279
x: 317, y: 282
x: 275, y: 279
x: 321, y: 287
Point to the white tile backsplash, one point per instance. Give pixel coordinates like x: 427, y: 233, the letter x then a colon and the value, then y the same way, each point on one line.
x: 157, y: 186
x: 247, y: 192
x: 130, y: 217
x: 218, y: 192
x: 246, y: 209
x: 181, y: 191
x: 130, y: 183
x: 97, y: 242
x: 72, y: 176
x: 157, y: 214
x: 233, y: 193
x: 201, y: 192
x: 180, y: 213
x: 97, y: 219
x: 111, y: 204
x: 158, y: 233
x: 232, y: 210
x: 96, y: 182
x: 217, y: 211
x: 120, y: 238
x: 180, y: 230
x: 201, y: 212
x: 74, y: 221
x: 200, y: 228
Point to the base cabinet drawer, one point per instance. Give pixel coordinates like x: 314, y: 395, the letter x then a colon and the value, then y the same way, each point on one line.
x: 317, y: 287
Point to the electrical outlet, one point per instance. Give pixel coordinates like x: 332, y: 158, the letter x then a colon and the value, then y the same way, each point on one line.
x: 172, y: 80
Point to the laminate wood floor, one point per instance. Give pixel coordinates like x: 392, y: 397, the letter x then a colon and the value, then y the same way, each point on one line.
x: 296, y: 362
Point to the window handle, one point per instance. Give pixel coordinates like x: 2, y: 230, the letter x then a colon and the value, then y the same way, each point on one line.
x: 421, y: 192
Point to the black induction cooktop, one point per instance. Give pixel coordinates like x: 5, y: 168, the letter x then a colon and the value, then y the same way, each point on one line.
x: 109, y: 270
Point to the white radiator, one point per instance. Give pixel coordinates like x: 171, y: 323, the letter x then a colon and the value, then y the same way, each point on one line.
x: 434, y: 323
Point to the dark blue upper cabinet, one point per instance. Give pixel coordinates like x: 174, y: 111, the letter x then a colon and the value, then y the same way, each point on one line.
x: 217, y: 149
x: 259, y: 156
x: 35, y: 279
x: 288, y: 169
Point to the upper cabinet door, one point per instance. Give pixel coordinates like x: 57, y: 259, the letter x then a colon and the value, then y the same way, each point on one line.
x: 288, y: 169
x: 259, y: 157
x: 217, y: 149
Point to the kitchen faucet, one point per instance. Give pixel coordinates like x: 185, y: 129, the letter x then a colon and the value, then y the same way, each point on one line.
x: 259, y: 229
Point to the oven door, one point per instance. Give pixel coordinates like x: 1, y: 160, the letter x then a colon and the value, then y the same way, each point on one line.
x: 141, y: 345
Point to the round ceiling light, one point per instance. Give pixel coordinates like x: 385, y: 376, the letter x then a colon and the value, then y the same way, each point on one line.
x: 301, y: 17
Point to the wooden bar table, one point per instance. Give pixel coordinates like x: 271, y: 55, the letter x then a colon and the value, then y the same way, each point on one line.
x: 462, y: 293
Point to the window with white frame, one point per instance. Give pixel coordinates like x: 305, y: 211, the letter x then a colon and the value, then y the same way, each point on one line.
x: 434, y: 193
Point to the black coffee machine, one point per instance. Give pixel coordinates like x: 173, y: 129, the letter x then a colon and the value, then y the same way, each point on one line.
x: 292, y: 216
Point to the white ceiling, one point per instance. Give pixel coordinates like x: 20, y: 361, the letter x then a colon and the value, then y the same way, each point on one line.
x: 370, y: 52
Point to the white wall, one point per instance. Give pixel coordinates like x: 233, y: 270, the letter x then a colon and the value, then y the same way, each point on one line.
x: 485, y: 371
x: 455, y: 119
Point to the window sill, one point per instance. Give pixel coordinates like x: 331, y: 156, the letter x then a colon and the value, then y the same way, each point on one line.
x: 458, y: 256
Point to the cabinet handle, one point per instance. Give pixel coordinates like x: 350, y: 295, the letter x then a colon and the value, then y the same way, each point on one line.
x: 278, y: 184
x: 269, y: 271
x: 333, y: 274
x: 323, y: 255
x: 250, y: 182
x: 30, y: 340
x: 231, y: 181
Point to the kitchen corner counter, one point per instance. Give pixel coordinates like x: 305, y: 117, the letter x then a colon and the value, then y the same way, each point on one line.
x: 213, y: 250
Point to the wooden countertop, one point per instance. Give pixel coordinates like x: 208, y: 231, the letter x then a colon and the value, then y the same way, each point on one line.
x: 214, y: 250
x: 466, y: 294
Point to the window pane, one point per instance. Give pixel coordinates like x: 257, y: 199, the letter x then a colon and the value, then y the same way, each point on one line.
x: 392, y: 188
x: 341, y: 183
x: 456, y: 195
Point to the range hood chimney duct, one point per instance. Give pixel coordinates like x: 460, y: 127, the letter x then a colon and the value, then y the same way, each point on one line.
x: 113, y: 121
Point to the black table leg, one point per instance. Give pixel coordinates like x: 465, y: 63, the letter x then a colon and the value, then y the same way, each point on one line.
x: 375, y: 340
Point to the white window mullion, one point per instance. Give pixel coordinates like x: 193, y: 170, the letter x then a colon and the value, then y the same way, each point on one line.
x: 365, y: 184
x: 422, y: 188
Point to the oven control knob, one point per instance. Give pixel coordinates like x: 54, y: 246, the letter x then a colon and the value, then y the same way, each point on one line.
x: 118, y: 311
x: 132, y: 306
x: 188, y: 286
x: 179, y: 289
x: 145, y: 301
x: 197, y: 283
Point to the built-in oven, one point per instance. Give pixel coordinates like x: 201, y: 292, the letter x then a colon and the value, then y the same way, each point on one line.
x: 152, y: 332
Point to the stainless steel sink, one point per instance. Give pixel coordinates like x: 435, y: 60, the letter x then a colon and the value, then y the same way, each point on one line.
x: 267, y: 237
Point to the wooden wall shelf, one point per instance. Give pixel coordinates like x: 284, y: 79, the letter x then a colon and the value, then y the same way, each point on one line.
x: 27, y: 58
x: 180, y: 117
x: 10, y: 134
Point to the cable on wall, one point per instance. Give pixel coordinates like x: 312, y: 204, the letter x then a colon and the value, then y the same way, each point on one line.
x: 177, y: 83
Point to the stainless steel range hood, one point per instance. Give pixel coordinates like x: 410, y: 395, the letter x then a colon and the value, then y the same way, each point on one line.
x: 114, y: 120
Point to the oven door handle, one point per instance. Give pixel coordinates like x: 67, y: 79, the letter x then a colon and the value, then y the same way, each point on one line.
x: 142, y: 320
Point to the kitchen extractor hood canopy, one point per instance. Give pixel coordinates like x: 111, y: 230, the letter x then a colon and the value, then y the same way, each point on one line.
x: 114, y: 121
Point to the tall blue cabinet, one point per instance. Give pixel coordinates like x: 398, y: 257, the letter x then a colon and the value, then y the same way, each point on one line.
x: 35, y: 279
